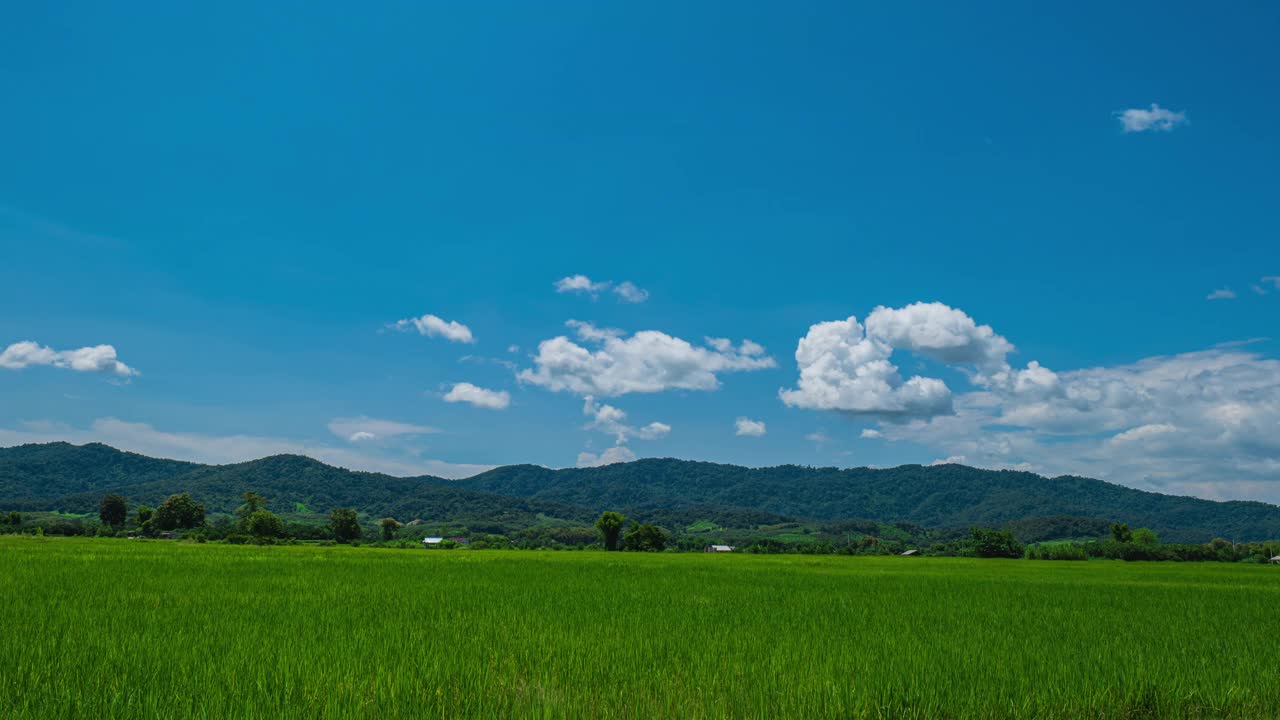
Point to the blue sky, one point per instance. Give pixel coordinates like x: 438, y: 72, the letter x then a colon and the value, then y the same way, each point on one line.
x: 242, y: 201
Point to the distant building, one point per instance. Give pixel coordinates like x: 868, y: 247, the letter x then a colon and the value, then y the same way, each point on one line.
x: 432, y: 542
x: 460, y: 540
x: 1276, y: 560
x: 911, y: 552
x: 718, y: 548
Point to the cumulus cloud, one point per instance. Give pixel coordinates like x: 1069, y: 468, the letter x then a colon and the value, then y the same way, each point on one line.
x: 626, y: 291
x: 646, y: 362
x: 1204, y: 423
x: 748, y: 427
x: 96, y: 359
x: 846, y: 367
x: 1155, y: 118
x: 580, y: 284
x: 617, y: 454
x: 465, y: 392
x: 364, y: 429
x: 629, y: 292
x: 221, y: 449
x: 433, y: 326
x: 1221, y: 294
x: 871, y: 434
x: 611, y: 420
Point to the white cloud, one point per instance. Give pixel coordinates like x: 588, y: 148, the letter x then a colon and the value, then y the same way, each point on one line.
x: 611, y: 420
x: 222, y: 449
x: 1221, y: 294
x: 580, y: 284
x: 847, y: 368
x: 818, y: 437
x: 748, y: 427
x: 648, y: 361
x: 480, y: 397
x: 590, y: 333
x: 96, y: 358
x: 363, y: 429
x: 1205, y: 423
x: 1274, y: 280
x: 617, y: 454
x: 629, y: 292
x: 871, y: 434
x: 842, y: 368
x: 513, y: 348
x: 626, y: 291
x: 1157, y: 118
x: 653, y: 431
x: 433, y: 326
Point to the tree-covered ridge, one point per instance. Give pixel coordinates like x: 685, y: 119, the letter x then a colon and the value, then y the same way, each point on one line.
x: 932, y: 496
x: 672, y: 493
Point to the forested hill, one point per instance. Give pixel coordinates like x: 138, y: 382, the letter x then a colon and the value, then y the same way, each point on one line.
x: 933, y: 496
x: 60, y: 476
x: 71, y: 478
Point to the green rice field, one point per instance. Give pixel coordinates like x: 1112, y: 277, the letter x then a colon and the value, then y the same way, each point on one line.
x: 153, y: 629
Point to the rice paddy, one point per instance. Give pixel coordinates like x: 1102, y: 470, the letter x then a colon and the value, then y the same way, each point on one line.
x: 124, y: 629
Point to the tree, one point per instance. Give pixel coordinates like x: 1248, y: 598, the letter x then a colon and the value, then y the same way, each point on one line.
x: 144, y: 514
x: 389, y: 527
x: 264, y: 524
x: 113, y: 510
x: 179, y: 512
x: 646, y: 538
x: 253, y: 502
x: 1121, y: 533
x: 995, y: 544
x: 1145, y: 536
x: 15, y: 518
x: 345, y: 524
x: 610, y: 526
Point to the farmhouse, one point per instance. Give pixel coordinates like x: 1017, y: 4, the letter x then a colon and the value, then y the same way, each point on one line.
x: 913, y: 551
x: 432, y: 541
x: 718, y: 548
x: 1276, y: 560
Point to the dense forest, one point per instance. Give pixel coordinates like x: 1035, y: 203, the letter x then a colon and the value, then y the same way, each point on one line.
x: 675, y: 494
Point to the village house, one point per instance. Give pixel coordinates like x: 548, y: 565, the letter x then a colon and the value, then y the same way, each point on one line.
x: 718, y: 548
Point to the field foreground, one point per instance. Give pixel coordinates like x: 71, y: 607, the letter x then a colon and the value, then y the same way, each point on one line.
x: 125, y: 629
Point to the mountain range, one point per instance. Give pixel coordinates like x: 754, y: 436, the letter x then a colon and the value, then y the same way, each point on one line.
x: 674, y: 493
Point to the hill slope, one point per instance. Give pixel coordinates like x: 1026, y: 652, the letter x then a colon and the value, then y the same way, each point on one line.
x: 34, y: 481
x: 934, y: 496
x: 671, y: 492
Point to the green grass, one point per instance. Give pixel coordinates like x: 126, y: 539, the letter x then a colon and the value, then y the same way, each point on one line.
x: 127, y: 629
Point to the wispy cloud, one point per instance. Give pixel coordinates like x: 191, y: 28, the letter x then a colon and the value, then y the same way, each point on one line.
x: 221, y: 449
x: 364, y: 429
x: 1221, y: 294
x: 433, y: 326
x: 1156, y: 118
x: 626, y: 291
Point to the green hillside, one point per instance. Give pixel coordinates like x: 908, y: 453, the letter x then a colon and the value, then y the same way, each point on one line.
x: 674, y: 493
x: 933, y: 496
